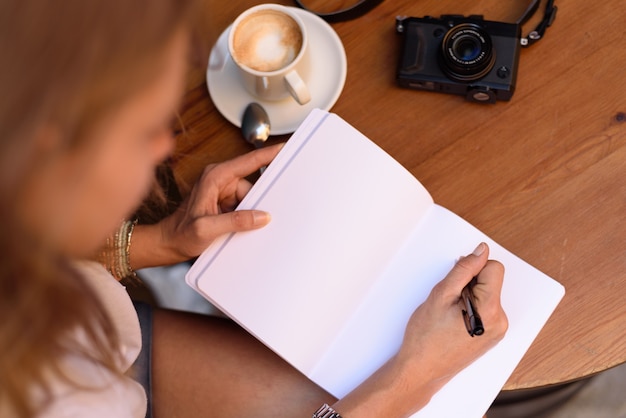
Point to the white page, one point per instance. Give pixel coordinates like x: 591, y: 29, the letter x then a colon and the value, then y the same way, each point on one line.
x: 377, y: 328
x: 277, y: 282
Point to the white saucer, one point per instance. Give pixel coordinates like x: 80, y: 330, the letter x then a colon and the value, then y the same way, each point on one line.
x: 328, y: 75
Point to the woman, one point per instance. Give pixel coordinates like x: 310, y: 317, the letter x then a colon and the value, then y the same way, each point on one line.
x: 88, y: 92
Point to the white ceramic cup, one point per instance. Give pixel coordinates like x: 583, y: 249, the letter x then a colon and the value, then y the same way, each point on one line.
x: 269, y: 45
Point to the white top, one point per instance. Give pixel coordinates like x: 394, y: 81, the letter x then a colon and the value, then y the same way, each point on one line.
x: 106, y: 395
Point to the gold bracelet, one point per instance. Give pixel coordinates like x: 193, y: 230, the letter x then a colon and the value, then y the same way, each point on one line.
x: 115, y: 254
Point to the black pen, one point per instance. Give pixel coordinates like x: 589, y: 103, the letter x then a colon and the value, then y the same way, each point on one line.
x: 472, y: 320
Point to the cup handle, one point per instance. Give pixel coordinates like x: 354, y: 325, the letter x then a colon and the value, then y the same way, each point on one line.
x: 297, y: 88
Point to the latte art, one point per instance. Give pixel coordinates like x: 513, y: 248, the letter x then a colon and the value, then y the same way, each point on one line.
x: 266, y: 41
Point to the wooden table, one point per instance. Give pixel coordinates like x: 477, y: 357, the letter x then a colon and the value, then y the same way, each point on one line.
x: 543, y: 174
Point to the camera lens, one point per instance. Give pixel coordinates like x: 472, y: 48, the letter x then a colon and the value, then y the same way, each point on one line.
x: 467, y: 53
x: 467, y: 49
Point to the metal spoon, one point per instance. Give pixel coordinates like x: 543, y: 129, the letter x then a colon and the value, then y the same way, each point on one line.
x: 255, y: 125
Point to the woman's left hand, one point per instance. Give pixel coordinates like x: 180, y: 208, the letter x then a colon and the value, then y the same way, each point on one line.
x: 207, y: 213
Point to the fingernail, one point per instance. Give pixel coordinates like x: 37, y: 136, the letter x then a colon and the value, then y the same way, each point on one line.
x: 261, y: 218
x: 479, y: 250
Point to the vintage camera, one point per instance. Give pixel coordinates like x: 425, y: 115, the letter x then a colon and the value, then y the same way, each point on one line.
x: 469, y: 56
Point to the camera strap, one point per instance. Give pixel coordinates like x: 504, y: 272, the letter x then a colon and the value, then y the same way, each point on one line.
x: 548, y: 17
x: 364, y: 6
x: 352, y: 12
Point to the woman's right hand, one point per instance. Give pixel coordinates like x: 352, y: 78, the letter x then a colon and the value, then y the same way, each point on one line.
x: 436, y: 344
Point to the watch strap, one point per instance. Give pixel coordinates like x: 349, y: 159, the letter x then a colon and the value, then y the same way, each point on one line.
x: 325, y: 411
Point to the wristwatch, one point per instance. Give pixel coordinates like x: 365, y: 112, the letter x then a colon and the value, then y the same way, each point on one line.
x: 326, y: 411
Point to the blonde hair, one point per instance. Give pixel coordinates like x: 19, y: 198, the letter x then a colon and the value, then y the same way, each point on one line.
x: 65, y: 64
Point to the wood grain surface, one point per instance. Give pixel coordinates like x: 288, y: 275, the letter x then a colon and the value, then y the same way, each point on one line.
x: 543, y: 174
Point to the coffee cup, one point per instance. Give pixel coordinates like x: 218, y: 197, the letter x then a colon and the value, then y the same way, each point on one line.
x: 269, y: 45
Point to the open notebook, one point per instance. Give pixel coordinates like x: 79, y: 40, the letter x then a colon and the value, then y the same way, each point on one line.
x: 356, y: 243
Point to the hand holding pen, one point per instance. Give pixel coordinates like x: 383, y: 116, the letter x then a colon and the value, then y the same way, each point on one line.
x: 436, y: 343
x: 471, y: 317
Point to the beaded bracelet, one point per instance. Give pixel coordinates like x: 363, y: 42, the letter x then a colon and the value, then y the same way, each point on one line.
x: 115, y: 255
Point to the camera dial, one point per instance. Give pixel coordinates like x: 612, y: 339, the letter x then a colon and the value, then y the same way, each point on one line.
x: 467, y: 53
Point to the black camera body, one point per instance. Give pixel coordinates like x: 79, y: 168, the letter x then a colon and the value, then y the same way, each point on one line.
x: 468, y: 56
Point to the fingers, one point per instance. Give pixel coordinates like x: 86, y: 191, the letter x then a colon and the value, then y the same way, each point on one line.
x: 487, y: 293
x: 464, y: 270
x: 243, y: 187
x: 491, y: 276
x: 487, y: 290
x: 248, y: 163
x: 229, y: 202
x: 208, y: 211
x: 238, y: 221
x: 224, y: 185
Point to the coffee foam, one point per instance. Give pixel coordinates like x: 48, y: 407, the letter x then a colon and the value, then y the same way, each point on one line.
x: 266, y: 40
